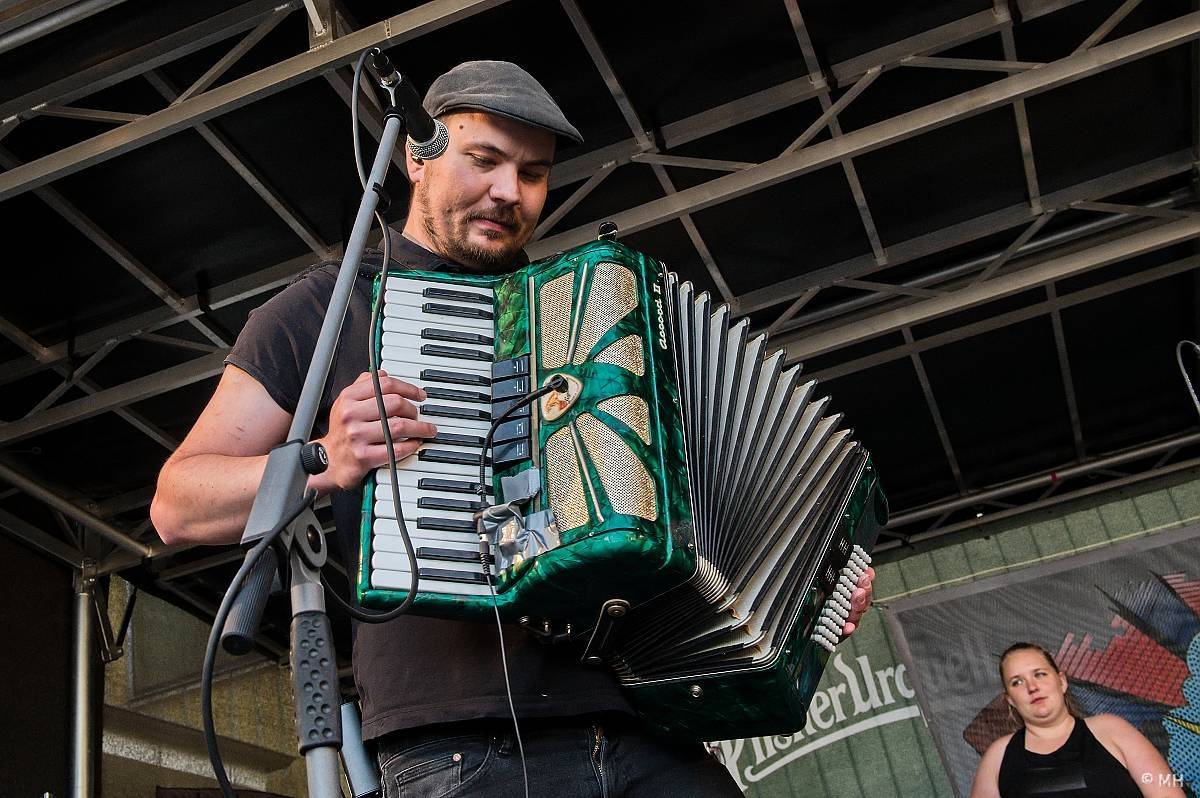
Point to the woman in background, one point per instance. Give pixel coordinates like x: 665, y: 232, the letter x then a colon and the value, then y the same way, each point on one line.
x: 1057, y: 753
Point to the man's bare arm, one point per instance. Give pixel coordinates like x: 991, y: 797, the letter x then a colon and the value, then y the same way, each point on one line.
x: 207, y: 487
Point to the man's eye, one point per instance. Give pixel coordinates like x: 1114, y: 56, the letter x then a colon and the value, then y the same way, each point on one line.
x: 482, y: 161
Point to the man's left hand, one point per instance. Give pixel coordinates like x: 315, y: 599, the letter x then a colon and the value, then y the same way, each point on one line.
x: 860, y: 600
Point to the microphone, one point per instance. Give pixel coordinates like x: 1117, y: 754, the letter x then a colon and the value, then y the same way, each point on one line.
x: 427, y: 137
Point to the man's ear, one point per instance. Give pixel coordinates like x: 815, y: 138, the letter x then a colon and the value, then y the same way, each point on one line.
x: 415, y: 166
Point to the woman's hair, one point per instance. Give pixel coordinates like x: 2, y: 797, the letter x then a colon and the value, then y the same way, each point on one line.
x: 1072, y: 705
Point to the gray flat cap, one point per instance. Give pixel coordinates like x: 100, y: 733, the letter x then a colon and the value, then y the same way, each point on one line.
x: 498, y: 87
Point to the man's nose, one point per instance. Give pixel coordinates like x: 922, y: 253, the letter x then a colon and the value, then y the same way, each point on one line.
x: 505, y: 184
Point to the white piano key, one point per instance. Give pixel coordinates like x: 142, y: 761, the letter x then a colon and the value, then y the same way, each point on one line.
x: 411, y: 372
x: 412, y: 494
x: 385, y: 509
x: 399, y: 580
x: 386, y: 529
x: 405, y: 355
x: 389, y: 561
x: 407, y: 480
x: 395, y: 544
x: 484, y: 326
x: 411, y: 286
x: 403, y: 332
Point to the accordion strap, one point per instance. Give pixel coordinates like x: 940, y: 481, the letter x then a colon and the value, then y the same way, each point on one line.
x: 612, y: 615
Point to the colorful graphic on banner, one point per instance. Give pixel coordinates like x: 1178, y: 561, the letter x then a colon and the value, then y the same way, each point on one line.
x: 1123, y: 625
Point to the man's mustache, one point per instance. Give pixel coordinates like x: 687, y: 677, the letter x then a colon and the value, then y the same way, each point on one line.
x: 508, y: 219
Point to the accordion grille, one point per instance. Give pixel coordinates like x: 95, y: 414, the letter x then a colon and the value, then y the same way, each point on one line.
x: 564, y: 482
x: 624, y: 353
x: 631, y: 411
x: 613, y: 294
x: 626, y: 481
x: 554, y: 314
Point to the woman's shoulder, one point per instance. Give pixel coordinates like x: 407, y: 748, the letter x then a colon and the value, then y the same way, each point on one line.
x: 1109, y: 725
x: 996, y: 749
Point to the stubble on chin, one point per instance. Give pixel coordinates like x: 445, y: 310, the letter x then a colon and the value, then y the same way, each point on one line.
x: 458, y: 247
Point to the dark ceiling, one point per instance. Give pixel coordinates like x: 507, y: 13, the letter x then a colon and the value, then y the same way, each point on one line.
x: 973, y: 221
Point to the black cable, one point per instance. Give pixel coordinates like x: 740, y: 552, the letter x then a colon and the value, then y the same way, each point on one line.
x: 557, y: 383
x: 210, y: 652
x: 358, y: 613
x: 1182, y: 370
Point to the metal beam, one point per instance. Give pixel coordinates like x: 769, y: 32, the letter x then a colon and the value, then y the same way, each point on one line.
x: 1045, y: 478
x: 965, y: 232
x: 113, y: 398
x: 1190, y: 264
x: 1106, y: 27
x: 813, y: 65
x: 952, y: 34
x: 935, y: 413
x: 89, y: 114
x: 792, y: 310
x: 970, y: 64
x: 132, y: 63
x: 229, y: 293
x: 946, y: 274
x: 1064, y: 365
x: 1133, y: 210
x: 121, y: 256
x: 72, y: 510
x: 56, y: 20
x: 1013, y: 248
x: 570, y: 202
x: 73, y: 377
x: 389, y: 32
x: 645, y: 143
x: 1022, y: 120
x: 244, y: 45
x: 251, y: 176
x: 873, y: 137
x: 809, y: 344
x: 42, y: 541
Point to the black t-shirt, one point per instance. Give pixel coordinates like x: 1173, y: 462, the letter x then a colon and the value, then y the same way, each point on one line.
x: 413, y: 671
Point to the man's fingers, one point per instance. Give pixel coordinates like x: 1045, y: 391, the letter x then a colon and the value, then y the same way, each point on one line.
x: 849, y: 628
x: 363, y: 388
x: 368, y: 410
x: 377, y: 455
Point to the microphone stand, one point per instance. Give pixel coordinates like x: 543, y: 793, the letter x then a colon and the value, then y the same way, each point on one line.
x: 314, y: 664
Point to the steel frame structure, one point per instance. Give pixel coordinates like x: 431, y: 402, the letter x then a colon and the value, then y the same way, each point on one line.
x: 334, y: 43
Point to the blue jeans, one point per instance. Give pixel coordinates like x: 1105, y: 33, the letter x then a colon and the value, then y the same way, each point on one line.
x: 610, y: 757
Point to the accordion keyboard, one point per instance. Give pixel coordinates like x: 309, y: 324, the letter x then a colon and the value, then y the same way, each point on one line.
x: 440, y: 339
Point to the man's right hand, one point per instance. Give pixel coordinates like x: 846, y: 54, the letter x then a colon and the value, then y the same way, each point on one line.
x: 355, y: 442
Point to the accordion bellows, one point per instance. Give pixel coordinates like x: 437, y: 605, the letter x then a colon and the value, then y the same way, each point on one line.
x: 690, y: 473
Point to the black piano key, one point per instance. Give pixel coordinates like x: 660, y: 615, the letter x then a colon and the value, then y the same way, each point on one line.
x: 448, y: 456
x: 457, y: 439
x: 455, y: 310
x: 512, y: 431
x: 467, y: 577
x: 452, y: 505
x: 512, y: 452
x: 498, y: 409
x: 445, y: 524
x: 515, y: 367
x: 458, y: 296
x: 449, y: 485
x: 509, y: 389
x: 456, y: 336
x: 449, y: 555
x: 437, y: 350
x: 453, y: 377
x: 434, y: 392
x: 445, y: 411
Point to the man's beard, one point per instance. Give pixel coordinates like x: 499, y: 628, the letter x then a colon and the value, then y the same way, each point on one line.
x: 457, y: 246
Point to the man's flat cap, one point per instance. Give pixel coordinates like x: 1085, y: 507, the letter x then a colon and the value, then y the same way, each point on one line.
x: 502, y: 88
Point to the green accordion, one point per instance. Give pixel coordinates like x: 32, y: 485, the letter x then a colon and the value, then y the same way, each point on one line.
x: 683, y: 502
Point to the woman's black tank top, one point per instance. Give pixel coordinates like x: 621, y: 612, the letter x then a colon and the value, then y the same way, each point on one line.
x: 1081, y: 768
